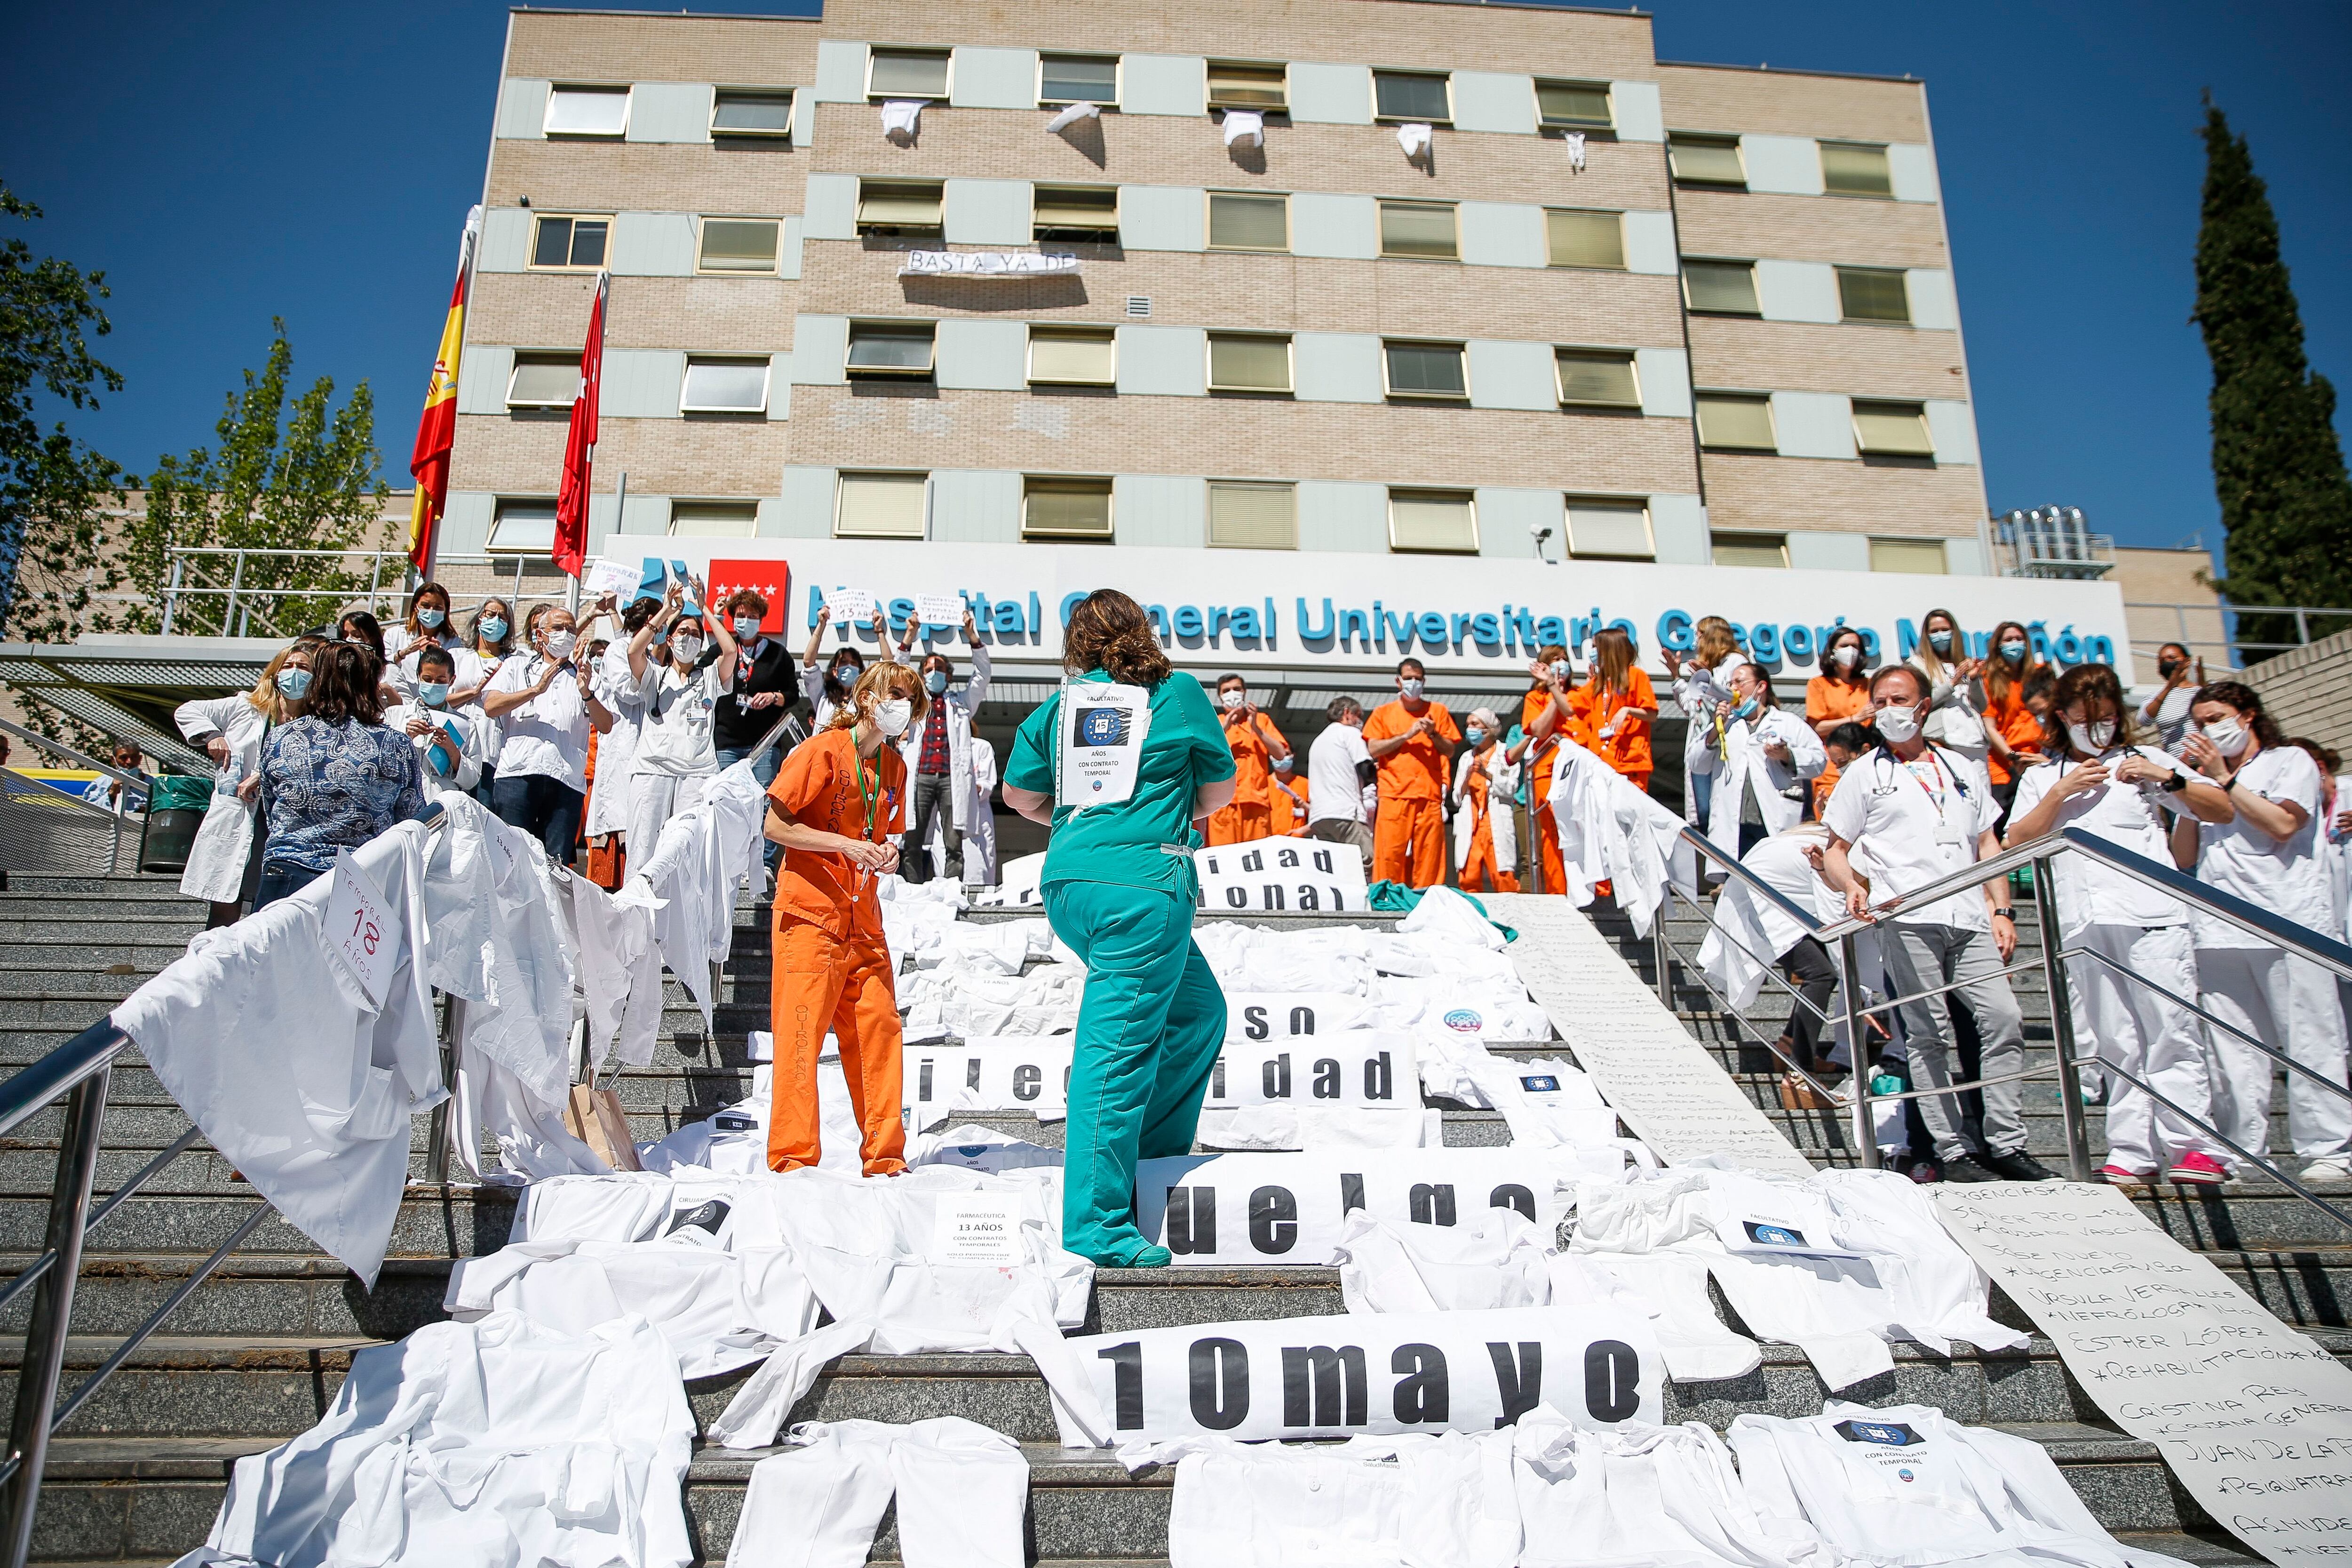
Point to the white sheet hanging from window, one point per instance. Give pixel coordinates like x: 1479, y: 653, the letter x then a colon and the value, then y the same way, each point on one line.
x: 1415, y: 139
x: 899, y: 116
x: 1245, y: 128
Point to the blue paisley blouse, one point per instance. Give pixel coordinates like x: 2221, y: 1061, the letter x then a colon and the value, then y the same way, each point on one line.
x: 335, y: 786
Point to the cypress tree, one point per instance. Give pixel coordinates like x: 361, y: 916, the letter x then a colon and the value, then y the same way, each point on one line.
x: 2278, y: 468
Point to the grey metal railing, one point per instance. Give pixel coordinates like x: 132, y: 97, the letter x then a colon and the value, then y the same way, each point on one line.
x: 196, y: 593
x: 48, y: 830
x: 2042, y: 855
x: 79, y: 1071
x: 2226, y: 611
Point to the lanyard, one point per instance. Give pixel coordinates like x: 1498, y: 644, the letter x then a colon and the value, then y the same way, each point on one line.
x: 871, y: 792
x: 1936, y: 796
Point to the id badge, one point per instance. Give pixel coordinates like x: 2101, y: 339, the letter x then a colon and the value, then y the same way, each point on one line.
x: 1950, y: 835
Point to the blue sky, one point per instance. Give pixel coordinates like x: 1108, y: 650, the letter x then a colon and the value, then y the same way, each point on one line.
x: 228, y: 163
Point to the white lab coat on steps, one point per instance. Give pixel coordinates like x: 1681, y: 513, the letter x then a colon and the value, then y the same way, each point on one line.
x: 967, y: 799
x: 216, y: 860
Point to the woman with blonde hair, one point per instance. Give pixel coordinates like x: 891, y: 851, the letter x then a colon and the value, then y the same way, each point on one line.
x: 1701, y: 680
x: 1619, y: 706
x: 835, y: 804
x: 225, y: 861
x: 1125, y: 763
x: 1942, y: 657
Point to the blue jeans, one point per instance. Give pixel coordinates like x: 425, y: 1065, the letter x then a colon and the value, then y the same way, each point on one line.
x: 547, y: 808
x: 280, y: 879
x: 764, y: 770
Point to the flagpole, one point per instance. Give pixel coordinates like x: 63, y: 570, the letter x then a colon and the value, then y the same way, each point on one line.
x: 473, y: 249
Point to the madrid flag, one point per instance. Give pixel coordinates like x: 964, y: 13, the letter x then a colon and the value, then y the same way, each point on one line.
x: 436, y: 431
x: 580, y: 445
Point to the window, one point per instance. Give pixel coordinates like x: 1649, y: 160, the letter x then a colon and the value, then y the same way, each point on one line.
x: 736, y: 113
x: 1920, y: 556
x: 1057, y: 508
x: 880, y: 506
x: 1240, y: 220
x: 1253, y: 517
x: 1892, y: 430
x: 907, y: 73
x: 895, y: 348
x: 1873, y: 294
x: 725, y: 386
x: 1405, y: 96
x: 1077, y: 79
x: 544, y: 381
x: 1418, y: 228
x: 1721, y: 287
x: 1609, y: 530
x: 1590, y: 379
x: 1586, y: 239
x: 1425, y: 370
x: 1074, y: 212
x: 1433, y: 520
x: 1574, y: 105
x: 1736, y: 423
x: 1073, y: 356
x: 523, y: 527
x: 569, y: 241
x: 1234, y: 84
x: 900, y: 207
x: 587, y: 111
x: 1706, y: 160
x: 1751, y: 550
x: 738, y: 245
x: 715, y: 519
x: 1240, y: 362
x: 1855, y: 169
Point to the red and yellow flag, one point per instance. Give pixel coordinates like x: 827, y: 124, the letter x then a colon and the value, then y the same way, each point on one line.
x: 436, y: 430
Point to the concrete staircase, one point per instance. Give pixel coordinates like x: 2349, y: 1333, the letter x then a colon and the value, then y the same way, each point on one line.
x: 257, y: 1352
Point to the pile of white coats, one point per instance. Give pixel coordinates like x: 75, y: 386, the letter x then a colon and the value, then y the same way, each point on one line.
x: 1838, y: 1264
x: 480, y: 1445
x: 963, y: 1492
x: 1611, y: 831
x: 690, y: 879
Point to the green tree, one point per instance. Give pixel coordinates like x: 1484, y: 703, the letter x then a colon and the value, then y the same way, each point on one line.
x: 310, y: 482
x: 53, y: 490
x: 2278, y: 468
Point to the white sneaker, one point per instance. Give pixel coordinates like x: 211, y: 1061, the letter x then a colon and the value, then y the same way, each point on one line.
x: 2331, y: 1175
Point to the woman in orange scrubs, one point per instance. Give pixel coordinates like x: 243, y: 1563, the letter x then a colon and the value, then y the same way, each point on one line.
x: 1618, y: 705
x: 837, y: 799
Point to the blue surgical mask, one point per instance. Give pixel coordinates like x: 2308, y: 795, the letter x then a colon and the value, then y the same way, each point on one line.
x: 493, y: 630
x: 430, y: 619
x: 293, y: 683
x: 433, y: 693
x: 746, y: 627
x: 2012, y: 651
x: 1561, y: 669
x: 1746, y: 709
x: 935, y: 681
x: 1940, y: 641
x: 1409, y: 687
x: 1475, y: 735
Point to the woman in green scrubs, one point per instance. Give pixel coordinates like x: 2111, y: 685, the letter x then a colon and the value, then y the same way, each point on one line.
x: 1119, y: 888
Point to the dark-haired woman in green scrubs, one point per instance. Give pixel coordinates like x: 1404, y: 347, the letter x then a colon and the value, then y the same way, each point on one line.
x: 1119, y: 888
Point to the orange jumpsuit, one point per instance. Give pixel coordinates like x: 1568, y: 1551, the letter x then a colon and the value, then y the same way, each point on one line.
x: 832, y: 969
x: 2015, y: 723
x: 1827, y: 699
x: 1409, y: 836
x: 1481, y: 872
x: 1251, y: 814
x: 1627, y: 748
x: 1538, y: 760
x: 1286, y: 805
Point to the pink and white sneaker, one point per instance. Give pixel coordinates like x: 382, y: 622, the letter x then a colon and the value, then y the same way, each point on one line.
x: 2198, y: 1168
x: 2116, y: 1176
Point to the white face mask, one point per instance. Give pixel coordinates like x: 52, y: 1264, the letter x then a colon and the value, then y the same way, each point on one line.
x: 561, y: 644
x: 1846, y: 657
x: 686, y: 649
x: 2229, y: 737
x: 2092, y: 738
x: 747, y: 627
x: 1411, y: 688
x: 1898, y: 724
x: 1559, y: 670
x: 892, y: 717
x: 1232, y: 698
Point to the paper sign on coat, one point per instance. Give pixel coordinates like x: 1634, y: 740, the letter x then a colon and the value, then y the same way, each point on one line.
x: 985, y: 1230
x: 357, y: 929
x: 1102, y: 728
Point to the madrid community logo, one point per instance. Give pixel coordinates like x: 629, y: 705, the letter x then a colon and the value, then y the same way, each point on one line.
x: 1464, y: 1020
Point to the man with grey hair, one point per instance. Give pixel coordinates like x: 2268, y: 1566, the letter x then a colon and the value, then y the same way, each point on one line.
x: 1340, y: 778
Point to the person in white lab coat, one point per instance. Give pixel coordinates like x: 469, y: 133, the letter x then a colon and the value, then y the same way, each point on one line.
x: 2092, y: 777
x: 980, y: 837
x: 2268, y: 856
x: 676, y: 751
x: 224, y: 863
x: 490, y: 643
x: 1759, y: 756
x: 448, y: 741
x: 618, y: 690
x: 938, y: 752
x: 428, y: 626
x: 827, y: 683
x: 1485, y: 782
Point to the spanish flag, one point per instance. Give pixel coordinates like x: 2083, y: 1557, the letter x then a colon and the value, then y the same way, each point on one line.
x: 436, y: 431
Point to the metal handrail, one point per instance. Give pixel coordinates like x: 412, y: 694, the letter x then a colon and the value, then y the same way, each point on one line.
x: 82, y: 1069
x: 179, y: 588
x: 2041, y: 854
x: 79, y: 759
